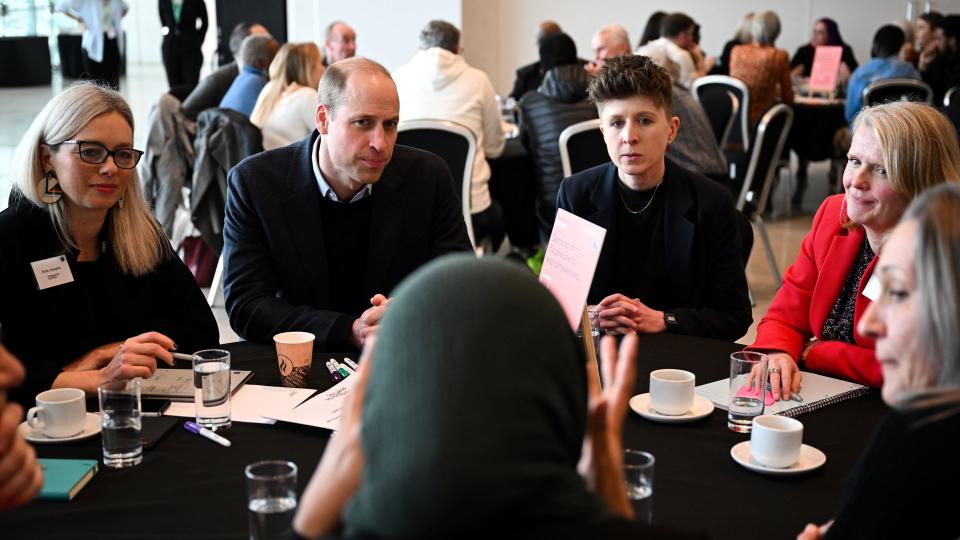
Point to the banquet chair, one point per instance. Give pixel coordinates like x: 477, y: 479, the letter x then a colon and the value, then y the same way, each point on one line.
x: 581, y: 147
x: 706, y: 90
x: 771, y: 135
x: 457, y: 147
x: 949, y: 95
x: 722, y: 108
x: 898, y: 89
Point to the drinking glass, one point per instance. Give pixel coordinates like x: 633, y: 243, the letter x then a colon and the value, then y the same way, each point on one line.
x: 120, y: 423
x: 211, y: 384
x: 748, y: 382
x: 638, y: 474
x: 271, y: 499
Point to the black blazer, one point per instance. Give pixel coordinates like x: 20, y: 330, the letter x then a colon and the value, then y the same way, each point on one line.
x: 276, y: 277
x: 184, y: 35
x: 707, y: 281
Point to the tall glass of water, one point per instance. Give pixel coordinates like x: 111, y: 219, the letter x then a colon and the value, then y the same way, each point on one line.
x: 120, y: 423
x: 748, y: 384
x: 638, y: 474
x: 211, y: 387
x: 271, y: 499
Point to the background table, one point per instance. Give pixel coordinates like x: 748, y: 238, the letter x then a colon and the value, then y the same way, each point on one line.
x: 189, y: 487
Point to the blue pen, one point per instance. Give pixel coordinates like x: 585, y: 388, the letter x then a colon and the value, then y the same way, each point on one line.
x: 334, y: 374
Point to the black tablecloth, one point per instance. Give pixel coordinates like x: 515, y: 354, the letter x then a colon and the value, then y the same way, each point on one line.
x: 189, y: 487
x: 811, y: 135
x: 24, y: 61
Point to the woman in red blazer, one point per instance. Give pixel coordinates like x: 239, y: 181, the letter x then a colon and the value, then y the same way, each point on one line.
x: 898, y: 150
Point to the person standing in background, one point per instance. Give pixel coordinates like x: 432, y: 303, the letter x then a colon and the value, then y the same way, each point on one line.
x: 103, y: 41
x: 184, y: 27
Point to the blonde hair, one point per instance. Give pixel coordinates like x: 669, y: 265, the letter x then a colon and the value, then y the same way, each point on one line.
x: 137, y: 241
x: 293, y: 65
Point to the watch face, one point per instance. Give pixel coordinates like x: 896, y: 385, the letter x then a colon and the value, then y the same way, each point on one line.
x: 669, y: 319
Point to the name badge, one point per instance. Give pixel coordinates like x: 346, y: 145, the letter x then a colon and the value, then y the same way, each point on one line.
x: 872, y: 290
x: 52, y: 272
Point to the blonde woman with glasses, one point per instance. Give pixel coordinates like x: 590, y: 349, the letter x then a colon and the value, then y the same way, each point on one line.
x: 92, y: 291
x: 287, y: 107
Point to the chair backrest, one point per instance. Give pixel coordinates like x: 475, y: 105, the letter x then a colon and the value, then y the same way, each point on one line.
x: 456, y: 145
x: 764, y: 158
x: 722, y: 108
x: 712, y: 89
x: 582, y: 146
x: 948, y: 95
x: 898, y: 89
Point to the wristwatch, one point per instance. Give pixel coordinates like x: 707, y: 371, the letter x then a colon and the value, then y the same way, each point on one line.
x: 670, y: 320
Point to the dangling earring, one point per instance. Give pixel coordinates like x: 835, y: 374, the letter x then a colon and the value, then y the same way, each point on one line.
x: 51, y: 188
x: 120, y: 203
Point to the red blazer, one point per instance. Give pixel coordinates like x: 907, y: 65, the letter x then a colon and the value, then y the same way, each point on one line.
x: 810, y: 289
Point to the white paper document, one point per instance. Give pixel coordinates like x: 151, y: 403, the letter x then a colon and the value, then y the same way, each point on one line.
x: 321, y: 411
x: 250, y: 402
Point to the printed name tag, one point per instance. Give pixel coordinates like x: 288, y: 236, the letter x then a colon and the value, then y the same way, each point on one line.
x: 872, y: 290
x: 52, y: 272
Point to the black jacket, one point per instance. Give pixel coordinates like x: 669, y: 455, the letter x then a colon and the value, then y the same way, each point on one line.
x: 184, y: 36
x: 47, y: 329
x: 559, y: 102
x: 210, y: 91
x: 707, y: 280
x: 276, y: 274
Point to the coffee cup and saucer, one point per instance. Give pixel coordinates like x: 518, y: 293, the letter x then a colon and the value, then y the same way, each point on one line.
x: 776, y: 448
x: 672, y: 398
x: 60, y: 416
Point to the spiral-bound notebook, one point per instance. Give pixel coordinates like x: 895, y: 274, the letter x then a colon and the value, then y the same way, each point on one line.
x: 817, y: 391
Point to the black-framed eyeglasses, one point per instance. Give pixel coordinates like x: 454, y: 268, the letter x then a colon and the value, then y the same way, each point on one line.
x: 95, y: 153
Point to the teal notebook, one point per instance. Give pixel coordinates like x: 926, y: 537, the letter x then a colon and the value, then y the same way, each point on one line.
x: 64, y: 478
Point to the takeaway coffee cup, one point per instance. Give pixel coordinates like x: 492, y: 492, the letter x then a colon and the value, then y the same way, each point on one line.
x: 671, y: 391
x: 775, y: 441
x: 294, y: 356
x: 59, y: 413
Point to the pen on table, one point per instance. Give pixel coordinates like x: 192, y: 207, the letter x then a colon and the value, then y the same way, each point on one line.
x: 341, y: 368
x: 182, y: 356
x: 351, y: 364
x: 334, y: 374
x: 193, y: 427
x: 794, y: 397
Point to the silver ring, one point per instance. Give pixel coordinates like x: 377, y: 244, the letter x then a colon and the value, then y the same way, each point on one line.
x: 774, y: 370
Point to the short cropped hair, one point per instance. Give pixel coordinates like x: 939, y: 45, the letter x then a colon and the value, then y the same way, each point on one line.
x: 334, y: 80
x: 765, y: 27
x: 675, y: 24
x: 240, y: 33
x: 328, y: 35
x: 440, y: 34
x: 887, y: 41
x: 624, y: 77
x: 258, y: 51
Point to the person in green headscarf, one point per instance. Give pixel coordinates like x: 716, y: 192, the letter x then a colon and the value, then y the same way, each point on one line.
x: 470, y: 416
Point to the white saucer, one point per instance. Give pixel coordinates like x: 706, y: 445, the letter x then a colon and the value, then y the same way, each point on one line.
x: 810, y: 459
x: 91, y: 427
x: 702, y: 407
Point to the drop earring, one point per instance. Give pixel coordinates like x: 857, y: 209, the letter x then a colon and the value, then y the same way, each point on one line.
x: 120, y: 203
x: 50, y: 185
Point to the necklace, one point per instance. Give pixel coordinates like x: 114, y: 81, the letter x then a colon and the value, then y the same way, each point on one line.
x: 649, y: 202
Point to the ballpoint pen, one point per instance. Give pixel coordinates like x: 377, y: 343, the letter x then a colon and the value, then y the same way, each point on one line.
x: 794, y: 397
x: 193, y: 427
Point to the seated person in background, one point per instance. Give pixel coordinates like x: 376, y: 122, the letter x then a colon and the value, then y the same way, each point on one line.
x: 695, y: 148
x: 339, y: 44
x: 671, y: 259
x: 530, y: 76
x: 607, y: 42
x: 677, y: 43
x: 899, y: 149
x: 256, y: 53
x: 438, y: 84
x: 743, y: 36
x: 413, y: 459
x: 925, y: 38
x: 884, y: 64
x: 943, y: 71
x: 316, y: 232
x: 214, y: 86
x: 915, y: 324
x: 651, y: 31
x: 559, y: 102
x: 762, y: 66
x: 825, y: 32
x: 83, y: 264
x: 286, y: 109
x: 20, y: 475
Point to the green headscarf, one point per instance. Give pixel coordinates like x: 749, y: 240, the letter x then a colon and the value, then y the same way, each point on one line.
x: 476, y: 407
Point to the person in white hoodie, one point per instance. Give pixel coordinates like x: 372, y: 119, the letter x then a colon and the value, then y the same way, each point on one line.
x: 438, y: 84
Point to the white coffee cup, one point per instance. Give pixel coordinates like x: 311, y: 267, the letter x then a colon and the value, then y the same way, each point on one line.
x: 672, y: 391
x: 775, y: 441
x: 59, y: 413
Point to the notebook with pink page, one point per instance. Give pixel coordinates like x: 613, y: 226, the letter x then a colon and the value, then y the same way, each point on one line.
x: 570, y: 261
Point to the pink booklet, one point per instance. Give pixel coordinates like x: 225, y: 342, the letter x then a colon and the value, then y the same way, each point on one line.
x: 825, y: 69
x: 570, y: 261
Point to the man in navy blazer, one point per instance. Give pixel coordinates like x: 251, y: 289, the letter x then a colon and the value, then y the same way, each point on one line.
x: 318, y: 232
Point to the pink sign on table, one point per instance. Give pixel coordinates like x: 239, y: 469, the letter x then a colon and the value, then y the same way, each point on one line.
x: 570, y: 262
x: 825, y: 69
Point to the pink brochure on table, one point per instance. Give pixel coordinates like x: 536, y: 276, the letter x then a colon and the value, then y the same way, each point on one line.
x: 570, y: 262
x: 826, y: 68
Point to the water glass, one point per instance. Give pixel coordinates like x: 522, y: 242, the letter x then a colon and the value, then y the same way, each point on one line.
x: 211, y: 385
x: 271, y: 499
x: 120, y: 423
x: 638, y: 474
x: 748, y: 382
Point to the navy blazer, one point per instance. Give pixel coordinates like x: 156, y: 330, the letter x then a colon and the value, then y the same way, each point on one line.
x: 707, y: 283
x: 276, y: 277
